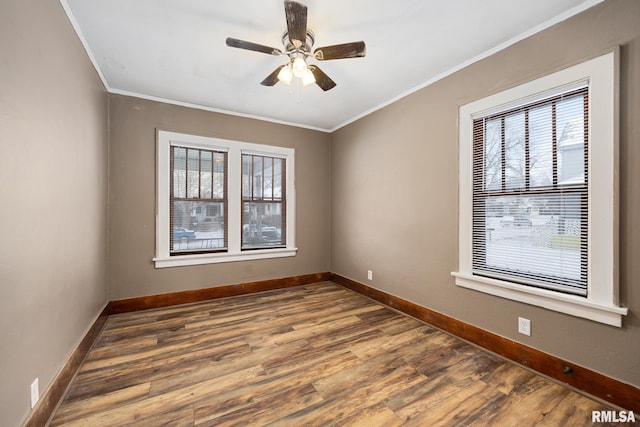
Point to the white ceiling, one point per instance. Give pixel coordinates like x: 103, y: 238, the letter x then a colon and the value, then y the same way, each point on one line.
x: 174, y: 50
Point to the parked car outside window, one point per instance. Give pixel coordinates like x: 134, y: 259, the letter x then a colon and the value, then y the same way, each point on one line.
x: 181, y: 234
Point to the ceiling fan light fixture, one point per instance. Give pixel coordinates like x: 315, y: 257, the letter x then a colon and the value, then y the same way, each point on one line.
x: 286, y: 74
x: 299, y: 66
x: 308, y: 77
x: 298, y: 41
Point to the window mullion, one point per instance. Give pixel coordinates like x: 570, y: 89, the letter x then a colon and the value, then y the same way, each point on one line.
x: 200, y: 173
x: 527, y: 158
x: 554, y: 144
x: 171, y: 192
x: 262, y: 180
x: 503, y: 154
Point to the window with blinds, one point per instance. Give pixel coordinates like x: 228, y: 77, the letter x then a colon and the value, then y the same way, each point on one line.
x: 198, y: 201
x: 263, y: 202
x: 530, y: 207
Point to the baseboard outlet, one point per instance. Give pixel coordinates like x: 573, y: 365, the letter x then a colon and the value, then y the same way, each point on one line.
x: 598, y: 385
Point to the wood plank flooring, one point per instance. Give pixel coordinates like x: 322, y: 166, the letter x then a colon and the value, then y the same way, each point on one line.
x: 310, y: 355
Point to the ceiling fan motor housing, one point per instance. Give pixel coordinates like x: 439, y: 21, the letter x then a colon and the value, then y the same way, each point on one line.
x: 306, y: 47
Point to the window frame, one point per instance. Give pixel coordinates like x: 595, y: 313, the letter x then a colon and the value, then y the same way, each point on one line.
x: 234, y: 150
x: 601, y: 303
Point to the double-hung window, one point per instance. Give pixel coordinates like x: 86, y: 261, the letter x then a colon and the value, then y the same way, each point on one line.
x: 221, y: 200
x: 263, y: 202
x: 530, y: 198
x: 198, y: 200
x: 538, y: 192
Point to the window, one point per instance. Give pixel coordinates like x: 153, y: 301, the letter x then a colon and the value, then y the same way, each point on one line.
x: 530, y: 210
x: 198, y: 200
x: 538, y: 192
x: 221, y: 201
x: 263, y: 202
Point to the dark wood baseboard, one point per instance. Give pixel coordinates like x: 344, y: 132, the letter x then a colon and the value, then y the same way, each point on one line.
x: 50, y: 399
x: 608, y: 389
x: 185, y: 297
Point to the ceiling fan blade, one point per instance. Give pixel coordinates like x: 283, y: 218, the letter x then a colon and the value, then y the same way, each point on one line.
x: 296, y: 14
x: 272, y: 78
x: 322, y: 79
x: 241, y: 44
x: 340, y: 51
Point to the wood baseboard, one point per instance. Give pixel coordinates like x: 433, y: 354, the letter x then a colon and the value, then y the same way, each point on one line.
x: 608, y: 389
x: 50, y: 399
x: 185, y: 297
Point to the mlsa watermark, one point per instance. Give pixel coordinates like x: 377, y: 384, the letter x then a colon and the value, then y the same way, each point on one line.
x: 613, y: 417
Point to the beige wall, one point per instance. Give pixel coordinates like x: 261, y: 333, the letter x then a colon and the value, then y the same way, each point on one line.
x: 379, y: 194
x: 395, y: 182
x: 133, y: 124
x: 53, y: 181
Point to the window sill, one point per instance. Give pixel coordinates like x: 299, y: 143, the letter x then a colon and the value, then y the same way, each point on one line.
x: 185, y: 260
x: 568, y: 304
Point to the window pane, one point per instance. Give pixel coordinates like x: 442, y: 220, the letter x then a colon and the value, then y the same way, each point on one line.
x: 206, y: 166
x: 493, y: 155
x: 179, y: 172
x: 193, y: 173
x: 257, y: 177
x: 538, y: 238
x: 570, y: 140
x: 268, y: 177
x: 219, y: 165
x: 540, y: 146
x: 514, y: 151
x: 262, y: 225
x: 246, y: 176
x: 197, y: 226
x: 277, y: 178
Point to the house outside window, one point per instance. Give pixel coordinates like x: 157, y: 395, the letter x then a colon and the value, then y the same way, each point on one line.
x: 222, y: 200
x: 538, y: 192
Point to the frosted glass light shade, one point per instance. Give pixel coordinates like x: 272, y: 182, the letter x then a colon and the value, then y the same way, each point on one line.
x: 308, y: 77
x: 285, y: 75
x: 299, y: 67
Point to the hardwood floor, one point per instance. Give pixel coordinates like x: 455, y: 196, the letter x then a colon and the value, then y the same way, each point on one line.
x: 310, y: 355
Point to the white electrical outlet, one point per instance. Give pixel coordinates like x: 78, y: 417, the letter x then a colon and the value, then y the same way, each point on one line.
x: 524, y: 326
x: 35, y: 392
x: 369, y: 274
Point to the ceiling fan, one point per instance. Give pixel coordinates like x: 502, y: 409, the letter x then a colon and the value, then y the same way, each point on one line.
x: 298, y: 47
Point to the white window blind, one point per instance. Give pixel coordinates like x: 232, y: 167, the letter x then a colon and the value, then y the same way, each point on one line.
x: 530, y: 189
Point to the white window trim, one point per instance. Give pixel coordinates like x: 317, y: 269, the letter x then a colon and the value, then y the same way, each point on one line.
x: 234, y: 150
x: 601, y: 303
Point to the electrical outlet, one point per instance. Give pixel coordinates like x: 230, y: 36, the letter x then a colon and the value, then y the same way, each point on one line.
x: 524, y: 326
x: 35, y: 392
x: 369, y: 274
